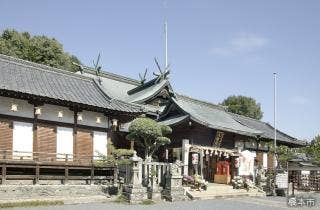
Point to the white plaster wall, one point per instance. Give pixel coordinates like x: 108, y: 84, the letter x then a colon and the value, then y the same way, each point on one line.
x: 24, y: 108
x: 265, y: 160
x: 90, y: 118
x: 99, y: 143
x: 50, y: 112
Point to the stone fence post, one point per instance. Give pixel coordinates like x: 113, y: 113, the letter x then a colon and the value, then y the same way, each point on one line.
x: 185, y: 156
x: 173, y: 189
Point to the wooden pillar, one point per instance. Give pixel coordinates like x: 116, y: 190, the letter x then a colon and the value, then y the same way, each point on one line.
x: 109, y: 141
x: 115, y: 174
x: 3, y: 173
x: 92, y: 171
x: 66, y: 174
x: 35, y: 134
x: 36, y: 181
x: 75, y: 129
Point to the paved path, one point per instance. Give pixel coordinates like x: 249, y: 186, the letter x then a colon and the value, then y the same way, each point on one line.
x: 244, y: 203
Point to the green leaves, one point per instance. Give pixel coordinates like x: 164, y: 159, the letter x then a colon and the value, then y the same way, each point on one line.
x: 149, y: 133
x: 38, y: 49
x: 313, y: 150
x: 243, y: 105
x: 144, y: 128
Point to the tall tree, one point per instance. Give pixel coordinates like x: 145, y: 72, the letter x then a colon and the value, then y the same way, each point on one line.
x: 243, y: 105
x: 38, y: 49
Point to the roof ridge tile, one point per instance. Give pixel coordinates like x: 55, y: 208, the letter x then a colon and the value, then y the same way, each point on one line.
x: 41, y: 67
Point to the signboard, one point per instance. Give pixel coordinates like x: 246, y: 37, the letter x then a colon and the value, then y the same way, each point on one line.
x: 282, y: 180
x: 195, y: 158
x: 218, y: 139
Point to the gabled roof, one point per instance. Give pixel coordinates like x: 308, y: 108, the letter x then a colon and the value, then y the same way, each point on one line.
x: 174, y: 120
x: 26, y: 77
x: 205, y: 113
x: 267, y: 129
x: 212, y: 116
x: 129, y: 90
x: 216, y: 117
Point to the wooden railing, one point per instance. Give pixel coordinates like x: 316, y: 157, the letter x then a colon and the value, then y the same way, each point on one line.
x: 19, y: 165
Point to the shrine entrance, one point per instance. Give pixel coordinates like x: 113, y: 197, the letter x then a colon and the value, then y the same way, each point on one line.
x: 211, y: 163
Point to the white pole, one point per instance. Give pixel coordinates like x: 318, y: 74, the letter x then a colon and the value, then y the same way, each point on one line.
x: 166, y: 43
x: 275, y: 118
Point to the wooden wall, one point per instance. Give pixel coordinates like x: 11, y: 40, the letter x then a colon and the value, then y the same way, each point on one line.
x: 84, y: 143
x: 45, y: 140
x: 199, y: 135
x: 6, y: 133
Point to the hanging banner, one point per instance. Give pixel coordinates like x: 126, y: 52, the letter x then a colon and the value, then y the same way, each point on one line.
x: 246, y: 163
x: 195, y: 158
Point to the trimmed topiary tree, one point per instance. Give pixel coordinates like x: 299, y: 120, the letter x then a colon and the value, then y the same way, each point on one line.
x: 149, y: 134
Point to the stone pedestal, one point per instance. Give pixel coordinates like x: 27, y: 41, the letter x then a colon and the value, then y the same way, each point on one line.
x: 154, y: 191
x: 173, y: 190
x: 134, y: 191
x: 135, y: 194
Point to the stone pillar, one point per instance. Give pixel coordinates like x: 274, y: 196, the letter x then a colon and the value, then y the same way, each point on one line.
x: 134, y: 192
x: 173, y: 190
x: 185, y: 156
x: 201, y: 163
x: 154, y: 190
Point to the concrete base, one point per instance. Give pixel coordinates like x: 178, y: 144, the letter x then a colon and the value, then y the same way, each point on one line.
x: 222, y: 191
x: 135, y: 195
x: 12, y: 192
x: 172, y: 195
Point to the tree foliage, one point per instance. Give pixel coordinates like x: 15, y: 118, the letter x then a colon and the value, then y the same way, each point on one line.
x: 313, y: 150
x: 149, y: 134
x: 243, y: 105
x: 284, y: 154
x: 38, y: 49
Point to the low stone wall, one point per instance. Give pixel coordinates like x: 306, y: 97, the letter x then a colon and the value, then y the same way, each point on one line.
x: 12, y: 192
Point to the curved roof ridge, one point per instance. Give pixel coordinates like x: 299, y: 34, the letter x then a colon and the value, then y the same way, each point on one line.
x: 250, y: 118
x: 41, y: 67
x: 199, y: 115
x: 287, y: 135
x: 200, y: 101
x: 114, y: 76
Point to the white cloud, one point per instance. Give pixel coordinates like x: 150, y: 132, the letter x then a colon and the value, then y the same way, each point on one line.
x: 241, y: 44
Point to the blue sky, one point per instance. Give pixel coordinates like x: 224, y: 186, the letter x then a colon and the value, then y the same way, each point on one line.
x: 216, y: 48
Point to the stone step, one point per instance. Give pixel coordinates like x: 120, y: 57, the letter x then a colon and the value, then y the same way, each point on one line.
x: 223, y: 195
x: 222, y: 191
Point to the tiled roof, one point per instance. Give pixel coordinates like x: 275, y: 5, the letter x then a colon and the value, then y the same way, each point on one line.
x: 206, y: 113
x: 212, y: 116
x: 267, y: 129
x: 39, y: 80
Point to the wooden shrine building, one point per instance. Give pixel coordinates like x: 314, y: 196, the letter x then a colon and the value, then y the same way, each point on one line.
x: 51, y: 117
x: 206, y: 128
x: 54, y: 122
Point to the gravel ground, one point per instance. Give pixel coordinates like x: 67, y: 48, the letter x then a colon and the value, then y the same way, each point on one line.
x: 245, y: 203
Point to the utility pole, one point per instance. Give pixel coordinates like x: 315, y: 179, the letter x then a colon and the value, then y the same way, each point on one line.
x: 166, y: 44
x: 275, y: 117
